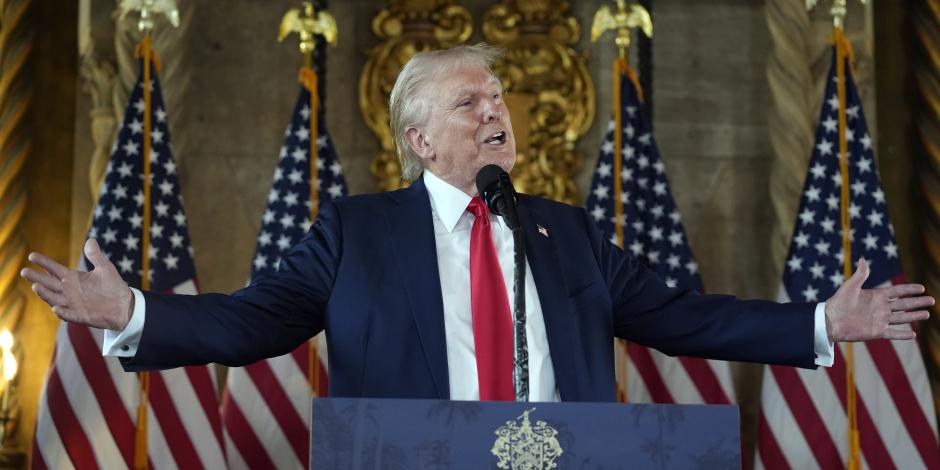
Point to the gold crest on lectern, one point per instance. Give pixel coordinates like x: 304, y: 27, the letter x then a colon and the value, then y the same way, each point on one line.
x: 521, y: 446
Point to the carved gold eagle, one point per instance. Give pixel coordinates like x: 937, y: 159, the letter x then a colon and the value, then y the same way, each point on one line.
x: 307, y: 24
x: 621, y: 20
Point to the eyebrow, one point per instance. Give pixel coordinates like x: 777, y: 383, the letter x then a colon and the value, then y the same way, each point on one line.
x: 471, y: 90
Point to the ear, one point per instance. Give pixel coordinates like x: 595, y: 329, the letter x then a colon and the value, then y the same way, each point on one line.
x: 420, y: 143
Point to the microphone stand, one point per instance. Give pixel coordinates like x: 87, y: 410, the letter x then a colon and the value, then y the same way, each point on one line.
x: 520, y: 372
x: 495, y: 187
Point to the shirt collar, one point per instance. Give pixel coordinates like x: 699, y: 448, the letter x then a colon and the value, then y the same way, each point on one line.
x: 448, y: 202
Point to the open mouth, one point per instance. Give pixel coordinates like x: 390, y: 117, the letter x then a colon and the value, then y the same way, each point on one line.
x: 496, y: 139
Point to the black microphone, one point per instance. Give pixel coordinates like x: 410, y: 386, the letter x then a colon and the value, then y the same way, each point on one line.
x: 497, y: 192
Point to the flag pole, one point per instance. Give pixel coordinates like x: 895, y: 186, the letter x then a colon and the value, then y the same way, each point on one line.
x: 622, y: 21
x: 307, y: 24
x: 308, y: 77
x: 147, y: 9
x: 140, y: 442
x: 843, y: 51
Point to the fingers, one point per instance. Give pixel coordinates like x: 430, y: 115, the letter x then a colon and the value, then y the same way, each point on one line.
x: 49, y: 264
x: 46, y: 280
x: 93, y: 252
x: 48, y: 296
x: 900, y: 318
x: 911, y: 303
x: 903, y: 290
x: 892, y: 333
x: 860, y: 276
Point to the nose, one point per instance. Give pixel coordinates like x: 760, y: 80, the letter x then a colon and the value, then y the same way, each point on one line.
x: 491, y: 112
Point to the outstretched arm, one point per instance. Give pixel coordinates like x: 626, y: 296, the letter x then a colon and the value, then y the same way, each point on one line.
x: 268, y: 318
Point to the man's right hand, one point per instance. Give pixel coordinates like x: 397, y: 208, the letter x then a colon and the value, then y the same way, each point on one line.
x: 99, y: 298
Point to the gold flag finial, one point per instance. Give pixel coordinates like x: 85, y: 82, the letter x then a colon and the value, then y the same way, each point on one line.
x: 148, y: 10
x: 622, y: 21
x: 838, y: 10
x: 307, y: 23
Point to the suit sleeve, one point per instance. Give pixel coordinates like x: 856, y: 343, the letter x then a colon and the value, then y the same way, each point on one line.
x: 685, y: 323
x: 270, y: 317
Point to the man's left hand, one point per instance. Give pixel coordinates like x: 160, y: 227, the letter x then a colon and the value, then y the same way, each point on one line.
x: 857, y: 314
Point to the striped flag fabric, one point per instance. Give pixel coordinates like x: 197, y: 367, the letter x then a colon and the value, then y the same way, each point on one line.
x: 652, y: 232
x: 803, y: 422
x: 266, y: 409
x: 88, y: 407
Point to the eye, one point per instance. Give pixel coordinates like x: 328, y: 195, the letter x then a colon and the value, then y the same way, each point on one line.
x: 497, y: 96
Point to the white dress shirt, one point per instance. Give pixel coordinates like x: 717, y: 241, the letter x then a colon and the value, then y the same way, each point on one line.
x: 452, y: 224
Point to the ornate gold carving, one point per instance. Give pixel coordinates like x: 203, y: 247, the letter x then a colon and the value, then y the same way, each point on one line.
x: 521, y: 446
x: 406, y: 27
x: 550, y: 92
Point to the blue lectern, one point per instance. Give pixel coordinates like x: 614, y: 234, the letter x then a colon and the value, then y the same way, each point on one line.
x: 439, y: 434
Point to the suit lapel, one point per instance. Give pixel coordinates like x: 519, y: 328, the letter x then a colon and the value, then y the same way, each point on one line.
x: 542, y: 255
x: 412, y: 234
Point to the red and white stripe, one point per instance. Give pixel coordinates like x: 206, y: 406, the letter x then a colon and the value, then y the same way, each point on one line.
x: 88, y: 410
x: 266, y: 410
x: 803, y: 422
x: 653, y: 377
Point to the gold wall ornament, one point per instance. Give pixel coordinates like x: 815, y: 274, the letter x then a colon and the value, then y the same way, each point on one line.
x: 521, y: 446
x: 549, y: 92
x: 405, y: 28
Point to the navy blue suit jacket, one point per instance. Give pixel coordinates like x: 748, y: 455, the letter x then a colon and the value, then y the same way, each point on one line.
x: 367, y: 273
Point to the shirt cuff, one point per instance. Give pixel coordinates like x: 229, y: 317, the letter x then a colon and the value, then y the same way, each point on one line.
x: 124, y: 343
x: 825, y: 352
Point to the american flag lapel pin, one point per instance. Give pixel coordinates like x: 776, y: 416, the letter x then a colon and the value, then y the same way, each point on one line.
x: 542, y: 230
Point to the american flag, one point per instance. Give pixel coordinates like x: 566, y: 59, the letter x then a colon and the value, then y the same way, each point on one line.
x: 87, y: 410
x: 803, y: 422
x: 266, y: 412
x: 652, y: 232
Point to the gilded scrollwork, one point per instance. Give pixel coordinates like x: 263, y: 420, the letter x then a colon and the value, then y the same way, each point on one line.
x: 549, y: 91
x: 405, y: 28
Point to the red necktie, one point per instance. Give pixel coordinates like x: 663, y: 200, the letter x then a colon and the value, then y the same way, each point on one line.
x: 492, y: 323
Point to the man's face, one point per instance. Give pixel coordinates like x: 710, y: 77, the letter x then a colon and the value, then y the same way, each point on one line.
x: 468, y: 127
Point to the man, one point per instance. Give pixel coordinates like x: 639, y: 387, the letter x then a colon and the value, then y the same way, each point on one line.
x: 411, y: 285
